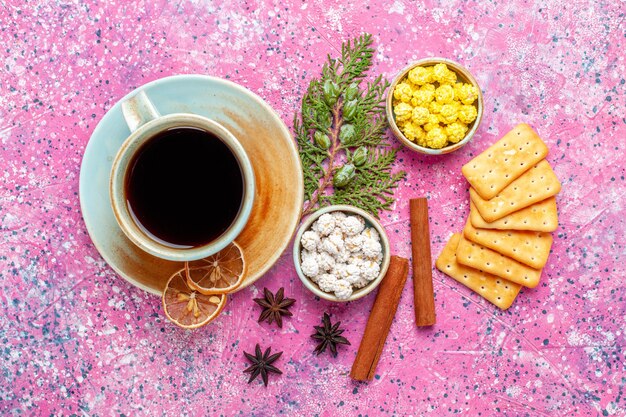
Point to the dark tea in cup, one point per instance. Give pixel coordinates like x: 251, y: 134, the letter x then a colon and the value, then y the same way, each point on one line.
x: 184, y: 187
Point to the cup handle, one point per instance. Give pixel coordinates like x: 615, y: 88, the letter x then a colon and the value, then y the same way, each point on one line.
x: 138, y: 110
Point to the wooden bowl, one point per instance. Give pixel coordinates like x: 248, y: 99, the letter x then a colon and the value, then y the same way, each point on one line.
x: 463, y: 75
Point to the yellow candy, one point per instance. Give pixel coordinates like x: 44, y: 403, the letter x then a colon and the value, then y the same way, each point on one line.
x: 466, y: 93
x: 403, y: 112
x: 433, y: 122
x: 456, y: 131
x: 421, y: 98
x: 403, y: 92
x: 413, y: 132
x: 467, y: 113
x: 422, y: 142
x: 421, y: 75
x: 443, y: 75
x: 435, y: 107
x: 429, y: 91
x: 436, y: 138
x: 402, y: 123
x: 448, y: 113
x: 428, y: 87
x: 420, y: 115
x: 444, y: 94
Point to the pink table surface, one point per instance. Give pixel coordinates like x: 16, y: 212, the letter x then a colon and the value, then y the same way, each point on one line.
x: 77, y: 339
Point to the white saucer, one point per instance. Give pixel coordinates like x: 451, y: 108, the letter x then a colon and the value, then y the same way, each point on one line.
x: 264, y: 136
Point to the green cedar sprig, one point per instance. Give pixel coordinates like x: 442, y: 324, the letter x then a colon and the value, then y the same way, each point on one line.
x: 341, y: 134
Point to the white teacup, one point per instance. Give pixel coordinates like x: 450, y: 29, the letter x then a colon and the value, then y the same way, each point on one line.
x: 145, y: 122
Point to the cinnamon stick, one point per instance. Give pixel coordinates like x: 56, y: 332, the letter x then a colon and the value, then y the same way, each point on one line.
x: 424, y: 297
x: 379, y: 321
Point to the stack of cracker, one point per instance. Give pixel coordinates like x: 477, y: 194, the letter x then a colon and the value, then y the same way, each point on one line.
x: 506, y: 240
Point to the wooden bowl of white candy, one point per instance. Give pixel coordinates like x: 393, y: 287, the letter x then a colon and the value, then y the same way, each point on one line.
x: 341, y: 253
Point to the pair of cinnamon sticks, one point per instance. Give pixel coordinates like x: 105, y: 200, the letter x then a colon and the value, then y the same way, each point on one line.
x: 390, y: 291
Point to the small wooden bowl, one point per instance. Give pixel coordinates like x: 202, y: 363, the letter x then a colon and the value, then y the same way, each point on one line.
x: 370, y: 221
x: 463, y: 75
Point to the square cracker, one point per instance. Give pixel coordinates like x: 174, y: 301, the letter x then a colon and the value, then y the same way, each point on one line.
x: 537, y: 184
x: 539, y: 217
x: 498, y: 291
x: 477, y: 256
x: 504, y: 161
x: 530, y: 248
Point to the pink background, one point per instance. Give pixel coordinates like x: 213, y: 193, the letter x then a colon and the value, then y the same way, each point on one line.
x: 77, y: 339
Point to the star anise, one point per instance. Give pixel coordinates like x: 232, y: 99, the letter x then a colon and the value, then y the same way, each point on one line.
x: 274, y: 306
x: 329, y: 336
x: 262, y: 363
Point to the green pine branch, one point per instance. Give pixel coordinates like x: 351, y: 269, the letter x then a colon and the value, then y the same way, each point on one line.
x: 337, y: 118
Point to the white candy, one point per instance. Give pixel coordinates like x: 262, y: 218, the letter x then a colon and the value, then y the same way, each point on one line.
x: 378, y: 258
x: 325, y: 261
x: 343, y: 256
x: 371, y: 233
x: 325, y: 224
x: 352, y: 273
x: 370, y: 270
x: 310, y: 240
x: 329, y: 247
x: 371, y: 248
x: 360, y: 283
x: 337, y: 240
x: 310, y: 267
x: 339, y: 270
x: 343, y: 289
x: 327, y: 282
x: 354, y: 243
x: 339, y: 216
x: 352, y: 225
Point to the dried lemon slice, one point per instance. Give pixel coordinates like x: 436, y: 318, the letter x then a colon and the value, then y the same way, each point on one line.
x: 220, y: 273
x: 187, y: 307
